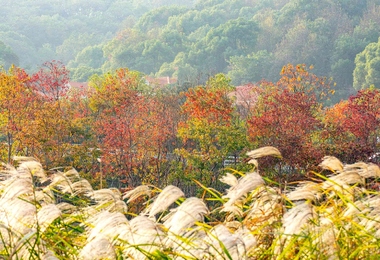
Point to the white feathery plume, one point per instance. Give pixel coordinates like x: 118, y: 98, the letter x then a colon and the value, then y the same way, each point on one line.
x: 190, y: 244
x: 81, y: 187
x: 117, y: 206
x: 17, y: 214
x: 167, y: 197
x: 98, y: 249
x: 365, y: 170
x: 144, y: 230
x: 142, y: 190
x: 348, y: 177
x: 245, y: 184
x: 229, y: 179
x: 266, y: 206
x: 106, y: 195
x: 294, y: 220
x: 23, y: 158
x: 61, y: 182
x: 249, y: 240
x: 326, y: 241
x: 343, y: 178
x: 27, y: 247
x: 34, y: 168
x: 254, y: 162
x: 264, y: 151
x: 307, y: 191
x: 110, y: 200
x: 357, y: 165
x: 72, y: 175
x: 331, y: 163
x: 44, y: 197
x: 185, y: 216
x: 234, y: 210
x: 66, y: 208
x: 8, y: 172
x: 373, y: 171
x: 16, y: 187
x: 220, y: 239
x: 366, y: 213
x: 107, y: 224
x: 49, y: 255
x: 145, y: 236
x: 46, y: 215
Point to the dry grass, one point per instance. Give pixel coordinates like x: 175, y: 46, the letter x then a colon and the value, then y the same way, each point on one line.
x: 61, y: 217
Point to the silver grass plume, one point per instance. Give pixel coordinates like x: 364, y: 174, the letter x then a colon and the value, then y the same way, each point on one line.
x: 16, y: 187
x: 341, y: 184
x: 293, y: 223
x: 294, y: 220
x: 107, y: 224
x: 190, y: 245
x: 49, y: 255
x: 266, y: 207
x: 46, y: 215
x: 306, y: 191
x: 185, y: 216
x: 81, y: 187
x: 145, y: 235
x: 142, y: 190
x: 220, y: 240
x: 331, y: 163
x: 98, y: 249
x: 344, y: 178
x: 72, y: 175
x: 66, y: 208
x: 167, y: 197
x: 44, y: 196
x: 324, y: 237
x: 365, y: 170
x: 229, y: 179
x: 17, y: 214
x: 61, y: 182
x: 34, y: 168
x: 366, y: 212
x: 264, y: 151
x: 110, y: 200
x: 245, y: 184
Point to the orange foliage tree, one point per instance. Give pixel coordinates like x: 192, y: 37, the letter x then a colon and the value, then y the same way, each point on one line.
x: 287, y: 116
x: 352, y: 126
x: 132, y: 126
x: 49, y: 125
x: 15, y: 105
x: 211, y: 131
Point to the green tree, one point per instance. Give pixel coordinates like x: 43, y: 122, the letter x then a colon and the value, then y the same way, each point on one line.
x: 367, y: 67
x: 7, y: 56
x: 251, y: 68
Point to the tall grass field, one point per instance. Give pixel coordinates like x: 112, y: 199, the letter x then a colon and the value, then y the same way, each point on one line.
x: 58, y: 215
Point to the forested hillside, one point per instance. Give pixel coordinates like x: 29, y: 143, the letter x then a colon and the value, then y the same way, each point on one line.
x: 193, y: 40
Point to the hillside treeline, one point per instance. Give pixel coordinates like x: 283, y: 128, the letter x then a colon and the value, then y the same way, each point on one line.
x: 193, y: 40
x: 124, y: 132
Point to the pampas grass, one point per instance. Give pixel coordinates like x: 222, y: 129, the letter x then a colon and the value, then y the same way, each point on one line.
x: 60, y: 216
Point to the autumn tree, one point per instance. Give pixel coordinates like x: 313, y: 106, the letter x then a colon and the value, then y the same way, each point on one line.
x: 46, y: 136
x: 352, y: 126
x: 287, y: 116
x: 212, y: 131
x: 132, y: 126
x: 15, y: 104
